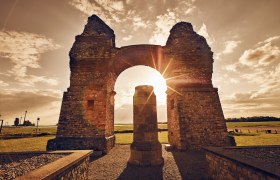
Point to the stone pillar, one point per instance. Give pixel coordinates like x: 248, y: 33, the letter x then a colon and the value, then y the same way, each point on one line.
x: 145, y: 148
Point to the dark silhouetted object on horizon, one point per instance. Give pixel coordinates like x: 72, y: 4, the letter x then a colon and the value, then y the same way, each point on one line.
x: 28, y: 123
x: 16, y: 122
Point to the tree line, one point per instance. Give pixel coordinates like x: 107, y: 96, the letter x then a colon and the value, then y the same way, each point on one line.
x: 253, y: 119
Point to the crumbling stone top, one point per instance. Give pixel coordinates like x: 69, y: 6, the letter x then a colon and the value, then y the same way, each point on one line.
x: 96, y: 26
x: 182, y: 27
x: 184, y: 37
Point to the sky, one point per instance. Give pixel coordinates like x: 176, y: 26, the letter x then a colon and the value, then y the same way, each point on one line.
x: 36, y: 36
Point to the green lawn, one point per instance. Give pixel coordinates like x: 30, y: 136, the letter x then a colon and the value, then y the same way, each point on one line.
x: 259, y: 139
x: 126, y: 138
x: 253, y: 124
x: 25, y: 144
x: 121, y: 127
x: 39, y: 143
x: 29, y: 130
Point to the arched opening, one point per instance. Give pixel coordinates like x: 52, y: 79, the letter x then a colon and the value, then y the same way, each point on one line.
x: 123, y: 109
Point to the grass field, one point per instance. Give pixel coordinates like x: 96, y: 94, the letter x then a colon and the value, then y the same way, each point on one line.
x: 29, y: 130
x: 121, y: 127
x: 126, y: 138
x: 260, y: 139
x: 25, y: 144
x: 272, y: 124
x: 39, y: 143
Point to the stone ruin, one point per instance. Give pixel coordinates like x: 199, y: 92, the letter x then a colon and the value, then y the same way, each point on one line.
x: 145, y: 148
x: 194, y: 112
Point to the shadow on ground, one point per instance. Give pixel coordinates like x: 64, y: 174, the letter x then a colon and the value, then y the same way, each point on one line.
x: 177, y: 165
x: 137, y: 172
x: 191, y: 164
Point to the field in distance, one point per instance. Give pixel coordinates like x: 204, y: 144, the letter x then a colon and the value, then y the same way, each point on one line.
x: 249, y: 133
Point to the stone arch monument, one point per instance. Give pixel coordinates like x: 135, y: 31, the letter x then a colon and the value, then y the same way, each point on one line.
x: 194, y: 112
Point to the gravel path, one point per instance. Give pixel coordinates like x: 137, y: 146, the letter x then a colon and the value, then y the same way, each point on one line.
x: 19, y: 166
x: 177, y: 165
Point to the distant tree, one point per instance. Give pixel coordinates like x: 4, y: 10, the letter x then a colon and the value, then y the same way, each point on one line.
x: 16, y: 122
x: 28, y: 123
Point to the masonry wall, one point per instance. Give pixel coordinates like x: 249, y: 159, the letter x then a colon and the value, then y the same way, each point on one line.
x: 195, y: 115
x: 86, y: 117
x: 221, y: 168
x: 196, y: 119
x: 77, y: 171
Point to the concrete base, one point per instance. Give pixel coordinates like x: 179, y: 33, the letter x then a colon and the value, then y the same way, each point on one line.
x: 104, y: 144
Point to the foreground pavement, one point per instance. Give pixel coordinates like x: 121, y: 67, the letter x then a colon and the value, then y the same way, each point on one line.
x: 177, y: 165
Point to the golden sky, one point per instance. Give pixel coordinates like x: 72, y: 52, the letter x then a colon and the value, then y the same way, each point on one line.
x: 36, y: 36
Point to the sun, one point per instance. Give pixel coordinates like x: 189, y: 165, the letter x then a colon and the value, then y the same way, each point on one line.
x: 159, y: 84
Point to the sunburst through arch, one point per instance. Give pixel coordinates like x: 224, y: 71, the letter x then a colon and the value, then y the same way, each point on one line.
x: 132, y: 77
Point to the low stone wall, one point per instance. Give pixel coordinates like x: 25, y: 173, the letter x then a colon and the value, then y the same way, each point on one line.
x: 255, y: 162
x: 103, y: 144
x: 74, y: 165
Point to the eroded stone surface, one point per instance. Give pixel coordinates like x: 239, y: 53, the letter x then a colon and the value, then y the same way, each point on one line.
x: 195, y: 116
x: 145, y: 148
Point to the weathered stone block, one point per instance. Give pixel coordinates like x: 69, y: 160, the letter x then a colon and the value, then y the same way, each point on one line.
x: 145, y: 149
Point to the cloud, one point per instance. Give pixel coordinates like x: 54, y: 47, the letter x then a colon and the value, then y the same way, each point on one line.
x: 163, y: 25
x: 127, y: 38
x: 252, y: 104
x: 116, y: 5
x: 267, y: 79
x: 256, y: 59
x: 234, y: 80
x: 270, y: 39
x: 264, y: 99
x: 138, y: 17
x: 124, y: 114
x: 230, y: 46
x: 24, y: 51
x: 30, y: 80
x: 3, y: 84
x: 260, y: 56
x: 108, y: 10
x: 14, y: 102
x: 139, y: 23
x: 258, y: 69
x: 164, y: 22
x: 203, y: 32
x: 231, y: 67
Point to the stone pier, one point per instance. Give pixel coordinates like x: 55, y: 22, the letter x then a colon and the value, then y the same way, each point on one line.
x: 145, y: 148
